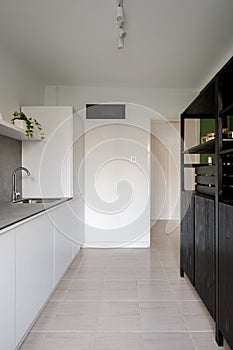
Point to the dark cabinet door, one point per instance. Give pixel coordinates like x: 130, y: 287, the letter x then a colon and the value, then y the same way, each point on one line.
x: 226, y: 271
x: 205, y: 251
x: 187, y: 234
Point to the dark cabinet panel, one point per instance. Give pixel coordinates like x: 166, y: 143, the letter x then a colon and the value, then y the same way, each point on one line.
x: 205, y: 251
x: 187, y: 234
x: 226, y: 271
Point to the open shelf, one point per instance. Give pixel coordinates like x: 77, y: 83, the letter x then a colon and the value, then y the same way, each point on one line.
x: 9, y: 130
x: 194, y: 165
x: 209, y: 148
x: 204, y: 148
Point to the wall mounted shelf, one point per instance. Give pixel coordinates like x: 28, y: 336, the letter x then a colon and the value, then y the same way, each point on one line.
x: 9, y: 130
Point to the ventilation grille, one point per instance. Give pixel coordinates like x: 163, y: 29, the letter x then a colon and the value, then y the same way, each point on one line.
x: 105, y: 111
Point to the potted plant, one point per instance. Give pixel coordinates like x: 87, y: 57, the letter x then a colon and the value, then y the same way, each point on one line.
x: 29, y: 124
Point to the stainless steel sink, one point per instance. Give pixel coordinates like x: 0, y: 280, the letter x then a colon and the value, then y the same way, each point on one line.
x: 35, y: 200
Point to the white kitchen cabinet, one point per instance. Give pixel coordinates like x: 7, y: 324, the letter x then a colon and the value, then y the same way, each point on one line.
x: 34, y: 269
x: 51, y: 160
x: 63, y: 240
x: 7, y: 291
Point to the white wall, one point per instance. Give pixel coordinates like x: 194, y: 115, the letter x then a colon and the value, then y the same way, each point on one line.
x: 103, y: 185
x: 18, y: 85
x: 165, y: 170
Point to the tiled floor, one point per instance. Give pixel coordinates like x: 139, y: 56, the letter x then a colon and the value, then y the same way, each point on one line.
x: 123, y: 299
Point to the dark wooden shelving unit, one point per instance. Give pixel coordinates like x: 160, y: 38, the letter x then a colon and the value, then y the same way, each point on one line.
x: 206, y: 254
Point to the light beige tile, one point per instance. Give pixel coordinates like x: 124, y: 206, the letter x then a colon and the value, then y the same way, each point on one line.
x: 183, y: 290
x: 196, y: 316
x: 122, y: 275
x: 118, y: 341
x: 119, y: 316
x: 76, y: 316
x: 85, y: 290
x: 206, y: 341
x: 90, y: 275
x: 161, y: 316
x: 156, y: 274
x: 172, y: 273
x: 154, y: 290
x: 59, y: 341
x: 120, y: 290
x: 167, y: 341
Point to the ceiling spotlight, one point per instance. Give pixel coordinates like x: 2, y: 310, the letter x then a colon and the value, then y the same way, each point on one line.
x: 120, y: 43
x: 120, y: 21
x: 122, y: 33
x: 120, y: 14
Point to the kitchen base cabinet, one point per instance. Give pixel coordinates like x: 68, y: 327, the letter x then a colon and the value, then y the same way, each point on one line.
x: 7, y: 291
x: 34, y: 270
x: 226, y: 272
x: 34, y: 255
x: 187, y: 235
x: 205, y: 251
x: 64, y: 217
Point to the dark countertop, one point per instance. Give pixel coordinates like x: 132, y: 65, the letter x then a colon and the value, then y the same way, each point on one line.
x: 12, y: 213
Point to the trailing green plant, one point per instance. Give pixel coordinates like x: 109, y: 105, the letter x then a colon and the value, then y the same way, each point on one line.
x: 30, y: 123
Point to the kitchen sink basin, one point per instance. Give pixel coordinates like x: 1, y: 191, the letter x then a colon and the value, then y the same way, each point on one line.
x: 36, y: 200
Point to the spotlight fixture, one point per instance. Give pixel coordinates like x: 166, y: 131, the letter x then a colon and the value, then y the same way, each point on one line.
x: 122, y: 33
x: 120, y: 43
x: 120, y: 14
x: 120, y: 21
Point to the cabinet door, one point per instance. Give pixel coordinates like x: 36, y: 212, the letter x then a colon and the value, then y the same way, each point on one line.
x: 34, y: 270
x: 63, y: 242
x: 205, y: 251
x: 226, y: 271
x: 187, y: 234
x: 7, y: 291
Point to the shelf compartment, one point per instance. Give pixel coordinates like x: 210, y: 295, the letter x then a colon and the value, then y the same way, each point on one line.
x: 205, y: 179
x: 206, y: 169
x: 9, y: 130
x: 210, y: 191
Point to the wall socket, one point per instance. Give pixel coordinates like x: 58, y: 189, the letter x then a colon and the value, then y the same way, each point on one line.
x: 133, y: 159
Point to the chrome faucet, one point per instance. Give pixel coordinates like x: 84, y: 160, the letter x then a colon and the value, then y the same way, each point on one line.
x: 16, y: 194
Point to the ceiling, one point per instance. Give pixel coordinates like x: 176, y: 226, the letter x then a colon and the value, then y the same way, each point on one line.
x: 170, y: 44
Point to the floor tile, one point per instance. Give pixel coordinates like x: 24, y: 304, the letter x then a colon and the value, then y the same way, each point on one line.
x: 183, y: 290
x: 118, y: 341
x: 167, y: 341
x: 154, y: 290
x: 120, y: 290
x: 58, y: 341
x: 85, y: 290
x: 161, y: 316
x: 76, y: 316
x: 196, y: 316
x: 119, y: 316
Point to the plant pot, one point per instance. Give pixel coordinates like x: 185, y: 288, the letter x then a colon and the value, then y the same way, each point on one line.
x: 20, y: 124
